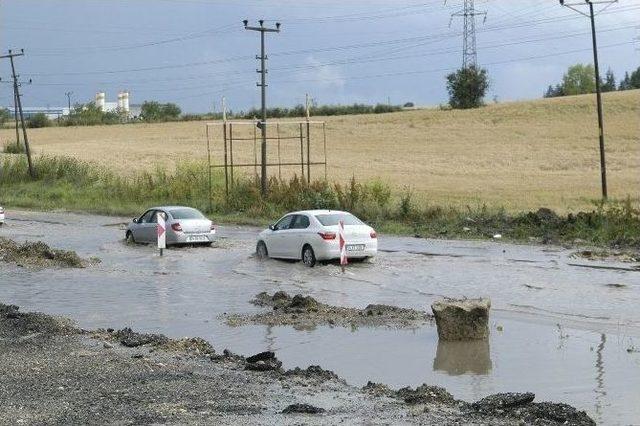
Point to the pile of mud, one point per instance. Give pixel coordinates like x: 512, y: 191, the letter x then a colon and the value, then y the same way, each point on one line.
x: 39, y: 255
x: 15, y: 323
x: 306, y: 313
x: 603, y: 255
x: 138, y: 382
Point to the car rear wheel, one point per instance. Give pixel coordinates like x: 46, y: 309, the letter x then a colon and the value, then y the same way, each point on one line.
x: 261, y: 250
x: 308, y: 256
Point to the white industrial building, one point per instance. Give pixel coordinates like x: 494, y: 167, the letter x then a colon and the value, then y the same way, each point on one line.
x: 122, y: 106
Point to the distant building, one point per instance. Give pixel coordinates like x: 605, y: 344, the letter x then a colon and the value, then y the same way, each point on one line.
x: 52, y: 113
x: 122, y: 106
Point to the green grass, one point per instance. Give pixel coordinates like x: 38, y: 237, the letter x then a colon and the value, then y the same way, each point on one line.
x: 70, y: 184
x: 13, y: 148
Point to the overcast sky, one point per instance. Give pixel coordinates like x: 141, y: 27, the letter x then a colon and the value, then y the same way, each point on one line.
x: 193, y: 52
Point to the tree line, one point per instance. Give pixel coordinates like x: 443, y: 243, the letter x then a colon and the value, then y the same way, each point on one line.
x: 580, y: 79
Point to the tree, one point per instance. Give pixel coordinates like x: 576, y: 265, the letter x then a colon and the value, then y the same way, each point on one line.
x: 90, y: 115
x: 634, y: 81
x: 155, y: 111
x: 467, y: 87
x: 625, y: 83
x: 5, y: 115
x: 38, y: 121
x: 579, y: 79
x: 554, y: 92
x: 609, y: 84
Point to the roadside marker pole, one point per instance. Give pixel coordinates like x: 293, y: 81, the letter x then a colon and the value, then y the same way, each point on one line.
x: 162, y: 234
x: 343, y: 248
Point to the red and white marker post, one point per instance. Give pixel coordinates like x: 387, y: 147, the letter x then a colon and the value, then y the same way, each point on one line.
x: 162, y: 232
x: 343, y: 247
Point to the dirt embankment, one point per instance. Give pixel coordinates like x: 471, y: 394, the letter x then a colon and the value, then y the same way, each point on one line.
x: 118, y: 377
x: 305, y: 313
x: 40, y: 255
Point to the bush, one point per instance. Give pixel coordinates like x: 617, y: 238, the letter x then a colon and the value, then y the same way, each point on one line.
x: 90, y: 115
x: 14, y: 148
x: 154, y: 111
x: 38, y: 121
x: 5, y: 116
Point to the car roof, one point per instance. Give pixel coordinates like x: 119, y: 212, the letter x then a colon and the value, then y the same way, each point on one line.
x: 316, y: 212
x: 170, y: 208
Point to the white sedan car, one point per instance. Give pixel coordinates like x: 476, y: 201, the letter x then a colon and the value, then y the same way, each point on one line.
x: 312, y: 236
x: 1, y: 215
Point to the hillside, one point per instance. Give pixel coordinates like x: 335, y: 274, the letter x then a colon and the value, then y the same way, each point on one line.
x: 520, y: 155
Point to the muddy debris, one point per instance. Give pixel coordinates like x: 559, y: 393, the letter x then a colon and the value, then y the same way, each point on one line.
x: 424, y: 394
x: 40, y: 255
x: 124, y: 386
x: 264, y: 361
x: 305, y: 312
x: 521, y: 406
x: 30, y: 324
x: 604, y: 255
x: 314, y: 372
x: 302, y: 409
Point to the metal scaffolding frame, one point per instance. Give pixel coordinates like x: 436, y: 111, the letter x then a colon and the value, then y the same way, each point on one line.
x: 227, y: 138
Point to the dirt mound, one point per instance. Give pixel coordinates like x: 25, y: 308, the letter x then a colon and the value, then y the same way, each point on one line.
x: 131, y: 339
x: 38, y: 254
x: 302, y: 409
x: 305, y: 313
x: 22, y: 324
x: 314, y: 372
x: 521, y: 406
x: 424, y: 394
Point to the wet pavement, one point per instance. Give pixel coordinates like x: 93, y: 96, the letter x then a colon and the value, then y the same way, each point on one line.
x: 562, y: 327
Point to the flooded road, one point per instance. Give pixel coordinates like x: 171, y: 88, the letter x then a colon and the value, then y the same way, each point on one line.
x: 564, y: 328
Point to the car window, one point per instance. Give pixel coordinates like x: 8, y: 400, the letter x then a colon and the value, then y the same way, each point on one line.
x: 186, y: 213
x: 285, y: 223
x: 301, y: 222
x: 332, y: 219
x: 146, y: 218
x: 154, y: 217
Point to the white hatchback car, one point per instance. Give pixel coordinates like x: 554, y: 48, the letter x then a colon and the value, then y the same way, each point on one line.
x: 312, y: 236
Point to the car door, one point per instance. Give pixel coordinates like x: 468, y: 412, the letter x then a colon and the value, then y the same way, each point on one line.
x: 276, y: 242
x: 140, y: 230
x: 297, y: 234
x: 150, y: 228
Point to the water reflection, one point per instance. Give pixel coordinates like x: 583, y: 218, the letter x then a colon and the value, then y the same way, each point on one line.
x: 457, y: 358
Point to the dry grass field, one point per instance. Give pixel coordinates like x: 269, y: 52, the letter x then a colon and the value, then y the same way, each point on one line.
x: 520, y: 155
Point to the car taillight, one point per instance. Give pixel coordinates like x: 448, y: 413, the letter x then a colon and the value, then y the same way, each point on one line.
x: 327, y: 235
x: 176, y: 227
x: 373, y: 234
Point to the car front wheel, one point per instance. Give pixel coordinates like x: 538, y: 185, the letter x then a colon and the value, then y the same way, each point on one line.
x: 261, y: 250
x: 129, y: 238
x: 308, y: 256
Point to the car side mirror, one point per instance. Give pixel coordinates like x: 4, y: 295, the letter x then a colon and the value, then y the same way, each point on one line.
x: 272, y: 227
x: 135, y: 220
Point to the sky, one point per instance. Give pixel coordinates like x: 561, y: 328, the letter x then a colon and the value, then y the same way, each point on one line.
x: 194, y: 52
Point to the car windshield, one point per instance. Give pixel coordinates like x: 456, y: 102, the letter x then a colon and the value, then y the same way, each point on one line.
x: 186, y: 213
x: 332, y: 219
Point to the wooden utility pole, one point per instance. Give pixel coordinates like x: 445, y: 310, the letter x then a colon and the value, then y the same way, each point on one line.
x: 16, y: 88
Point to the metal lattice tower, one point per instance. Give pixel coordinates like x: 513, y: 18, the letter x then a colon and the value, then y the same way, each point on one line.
x: 469, y: 51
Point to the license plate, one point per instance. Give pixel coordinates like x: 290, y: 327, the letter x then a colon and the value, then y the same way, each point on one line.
x: 355, y: 247
x: 197, y: 238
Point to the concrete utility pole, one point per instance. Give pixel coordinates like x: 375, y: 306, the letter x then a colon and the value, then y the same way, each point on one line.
x: 591, y: 16
x: 16, y: 88
x: 263, y: 84
x: 469, y: 51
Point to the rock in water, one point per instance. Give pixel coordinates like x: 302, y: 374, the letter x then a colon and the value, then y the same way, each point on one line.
x: 466, y: 319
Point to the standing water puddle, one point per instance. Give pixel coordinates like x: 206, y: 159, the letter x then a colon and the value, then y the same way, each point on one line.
x: 584, y: 362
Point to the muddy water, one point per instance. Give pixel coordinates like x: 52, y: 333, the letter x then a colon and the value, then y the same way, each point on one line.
x: 582, y: 361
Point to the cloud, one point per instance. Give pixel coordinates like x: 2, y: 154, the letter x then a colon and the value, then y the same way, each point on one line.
x: 327, y: 76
